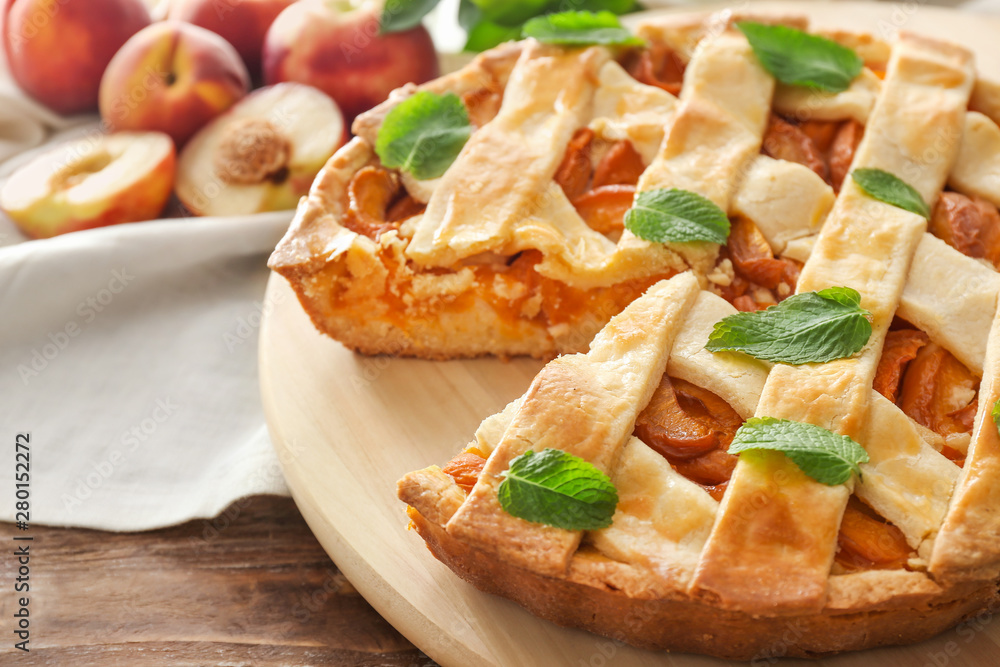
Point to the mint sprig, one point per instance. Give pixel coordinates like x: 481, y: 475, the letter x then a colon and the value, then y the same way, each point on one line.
x: 823, y: 455
x: 398, y: 15
x: 558, y: 489
x: 891, y: 189
x: 580, y: 28
x: 808, y: 327
x: 800, y: 59
x: 424, y: 134
x: 676, y: 216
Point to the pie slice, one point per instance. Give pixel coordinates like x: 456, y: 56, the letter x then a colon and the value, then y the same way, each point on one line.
x: 519, y: 247
x: 724, y: 535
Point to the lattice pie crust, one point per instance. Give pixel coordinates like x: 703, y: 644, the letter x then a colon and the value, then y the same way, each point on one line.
x: 679, y: 569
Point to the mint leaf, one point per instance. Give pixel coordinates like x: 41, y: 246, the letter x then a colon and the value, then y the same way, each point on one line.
x: 807, y: 327
x: 400, y: 15
x: 580, y: 28
x: 424, y: 134
x: 486, y: 34
x: 892, y: 190
x: 996, y: 414
x: 558, y: 489
x: 800, y: 59
x: 823, y: 455
x: 676, y: 216
x: 511, y: 14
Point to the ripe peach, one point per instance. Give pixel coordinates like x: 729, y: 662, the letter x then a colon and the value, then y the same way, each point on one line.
x: 171, y: 77
x: 57, y: 49
x: 341, y: 52
x: 242, y: 23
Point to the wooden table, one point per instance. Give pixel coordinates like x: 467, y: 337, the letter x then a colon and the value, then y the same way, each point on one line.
x: 250, y: 587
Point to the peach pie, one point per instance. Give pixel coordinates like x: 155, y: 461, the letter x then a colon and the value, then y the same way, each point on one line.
x: 791, y: 425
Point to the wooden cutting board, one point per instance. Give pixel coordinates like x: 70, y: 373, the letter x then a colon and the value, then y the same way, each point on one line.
x: 347, y: 427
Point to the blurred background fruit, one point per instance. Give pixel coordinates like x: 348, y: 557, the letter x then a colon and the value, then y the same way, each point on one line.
x: 262, y: 154
x: 57, y: 49
x: 91, y: 182
x: 337, y: 48
x: 171, y: 77
x: 242, y: 23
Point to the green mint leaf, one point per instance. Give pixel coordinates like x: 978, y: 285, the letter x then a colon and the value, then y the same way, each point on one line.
x: 398, y: 15
x: 800, y: 59
x: 613, y: 6
x: 511, y: 14
x: 424, y: 134
x: 996, y: 414
x: 580, y: 28
x: 823, y: 455
x: 558, y: 489
x: 487, y: 34
x: 469, y: 14
x: 892, y: 190
x: 676, y: 216
x: 808, y: 327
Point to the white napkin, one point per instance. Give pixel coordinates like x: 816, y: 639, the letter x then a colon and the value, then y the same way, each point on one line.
x: 130, y: 355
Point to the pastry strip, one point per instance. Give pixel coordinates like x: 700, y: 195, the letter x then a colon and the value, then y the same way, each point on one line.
x: 977, y: 168
x: 967, y: 545
x: 763, y: 551
x: 627, y: 109
x: 719, y: 126
x: 943, y: 287
x: 917, y: 123
x: 786, y: 200
x: 735, y: 378
x: 906, y: 481
x: 856, y: 102
x: 663, y: 519
x: 476, y: 206
x: 952, y: 298
x: 582, y: 404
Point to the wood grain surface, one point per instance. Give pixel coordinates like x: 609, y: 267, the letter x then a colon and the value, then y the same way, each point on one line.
x: 249, y: 587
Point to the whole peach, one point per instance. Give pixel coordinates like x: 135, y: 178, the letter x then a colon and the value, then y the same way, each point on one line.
x: 338, y: 49
x: 172, y: 77
x: 242, y: 23
x: 57, y: 49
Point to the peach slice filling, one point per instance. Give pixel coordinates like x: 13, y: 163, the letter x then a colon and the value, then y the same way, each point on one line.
x: 603, y: 193
x: 971, y: 225
x: 826, y: 147
x: 656, y: 66
x: 929, y: 384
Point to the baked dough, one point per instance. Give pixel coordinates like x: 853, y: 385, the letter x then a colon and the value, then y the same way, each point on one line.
x: 677, y: 569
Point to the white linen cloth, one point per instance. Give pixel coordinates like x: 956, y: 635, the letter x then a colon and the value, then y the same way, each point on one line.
x: 130, y: 355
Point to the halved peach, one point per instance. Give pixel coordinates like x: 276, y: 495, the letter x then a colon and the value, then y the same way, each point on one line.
x: 124, y: 177
x: 262, y: 154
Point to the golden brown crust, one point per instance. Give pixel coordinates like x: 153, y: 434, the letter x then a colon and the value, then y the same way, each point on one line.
x: 593, y: 596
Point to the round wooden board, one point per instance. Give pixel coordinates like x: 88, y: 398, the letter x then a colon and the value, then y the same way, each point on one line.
x: 347, y: 427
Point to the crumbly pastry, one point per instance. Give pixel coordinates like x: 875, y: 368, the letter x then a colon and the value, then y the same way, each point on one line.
x: 750, y: 557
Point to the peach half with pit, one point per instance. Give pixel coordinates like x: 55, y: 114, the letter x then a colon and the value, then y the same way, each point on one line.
x: 262, y: 154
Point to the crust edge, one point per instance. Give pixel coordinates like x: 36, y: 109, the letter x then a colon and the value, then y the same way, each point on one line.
x: 591, y: 597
